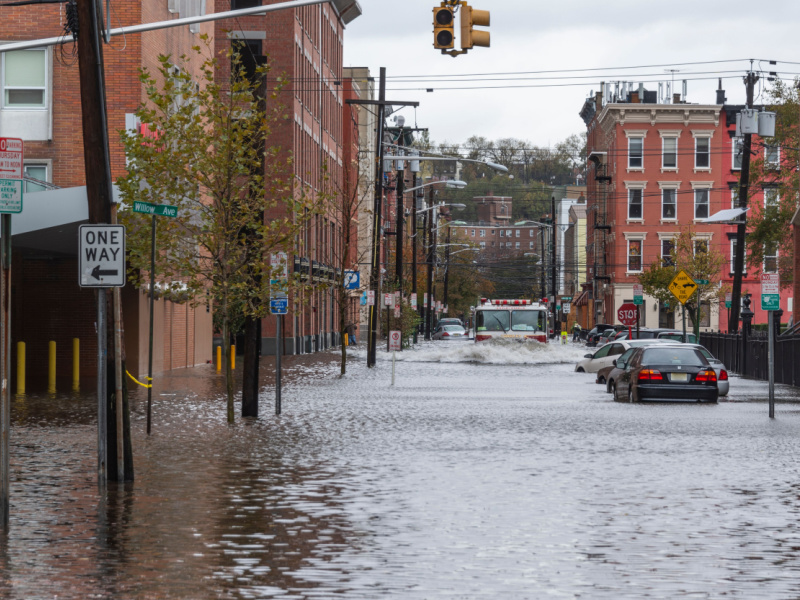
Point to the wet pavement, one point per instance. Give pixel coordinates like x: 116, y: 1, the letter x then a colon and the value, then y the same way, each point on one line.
x: 485, y: 472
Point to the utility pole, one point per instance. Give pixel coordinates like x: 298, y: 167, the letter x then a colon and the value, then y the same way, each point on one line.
x: 414, y: 248
x: 446, y: 265
x: 542, y: 282
x: 375, y: 267
x: 97, y: 164
x: 398, y: 230
x: 553, y: 255
x: 431, y: 256
x: 741, y: 229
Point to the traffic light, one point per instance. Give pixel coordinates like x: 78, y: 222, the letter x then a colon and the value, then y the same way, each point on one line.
x: 470, y: 18
x: 443, y: 27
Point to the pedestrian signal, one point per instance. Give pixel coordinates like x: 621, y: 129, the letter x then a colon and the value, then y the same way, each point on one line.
x: 443, y: 27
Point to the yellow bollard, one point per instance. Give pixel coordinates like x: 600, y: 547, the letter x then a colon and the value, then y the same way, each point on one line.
x: 51, y: 372
x: 20, y: 367
x: 76, y: 364
x: 219, y: 358
x: 345, y: 340
x: 233, y: 357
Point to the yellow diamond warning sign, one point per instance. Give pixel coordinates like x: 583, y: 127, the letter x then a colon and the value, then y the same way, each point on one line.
x: 682, y: 286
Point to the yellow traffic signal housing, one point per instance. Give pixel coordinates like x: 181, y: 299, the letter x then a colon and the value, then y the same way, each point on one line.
x: 470, y: 18
x: 443, y: 27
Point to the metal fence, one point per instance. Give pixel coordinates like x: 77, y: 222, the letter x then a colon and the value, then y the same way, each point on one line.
x: 728, y: 348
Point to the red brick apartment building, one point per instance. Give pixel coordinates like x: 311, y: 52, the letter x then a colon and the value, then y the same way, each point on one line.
x: 40, y: 103
x: 653, y: 168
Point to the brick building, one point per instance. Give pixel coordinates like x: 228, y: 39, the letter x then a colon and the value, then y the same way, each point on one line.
x: 656, y: 165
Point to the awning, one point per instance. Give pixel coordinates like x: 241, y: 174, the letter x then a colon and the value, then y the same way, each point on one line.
x: 583, y: 299
x: 729, y: 215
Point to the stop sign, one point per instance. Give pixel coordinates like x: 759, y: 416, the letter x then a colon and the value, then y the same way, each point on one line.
x: 627, y: 314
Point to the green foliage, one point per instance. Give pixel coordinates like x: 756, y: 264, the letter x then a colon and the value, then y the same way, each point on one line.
x: 769, y: 227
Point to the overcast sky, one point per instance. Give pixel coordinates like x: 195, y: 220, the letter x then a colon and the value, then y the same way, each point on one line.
x: 534, y: 35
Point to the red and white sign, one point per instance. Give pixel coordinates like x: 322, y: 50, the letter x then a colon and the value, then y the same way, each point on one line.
x: 10, y: 158
x: 627, y: 314
x: 396, y: 312
x: 770, y: 283
x: 638, y: 289
x: 394, y: 340
x: 371, y: 298
x: 387, y: 299
x: 413, y: 301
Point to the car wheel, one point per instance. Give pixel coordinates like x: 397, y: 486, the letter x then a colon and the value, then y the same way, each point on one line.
x: 611, y: 388
x: 601, y: 379
x: 580, y: 370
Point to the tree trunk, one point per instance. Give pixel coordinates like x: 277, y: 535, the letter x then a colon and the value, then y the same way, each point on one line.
x: 343, y: 324
x: 250, y: 364
x: 226, y: 345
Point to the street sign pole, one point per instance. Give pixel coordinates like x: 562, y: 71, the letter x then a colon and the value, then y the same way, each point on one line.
x: 150, y: 342
x: 278, y: 352
x: 771, y: 363
x: 5, y: 339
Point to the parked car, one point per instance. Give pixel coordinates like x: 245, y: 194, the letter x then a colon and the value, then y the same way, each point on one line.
x: 450, y: 321
x: 610, y: 375
x: 449, y: 332
x: 591, y: 337
x: 676, y: 335
x: 605, y: 356
x: 668, y: 372
x: 608, y: 335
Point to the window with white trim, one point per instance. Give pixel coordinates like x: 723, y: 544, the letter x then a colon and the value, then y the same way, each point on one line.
x: 772, y: 156
x: 669, y: 153
x: 772, y: 197
x: 702, y: 153
x: 25, y: 79
x: 516, y: 245
x: 635, y: 203
x: 473, y: 233
x: 483, y: 233
x: 669, y: 204
x: 771, y: 257
x: 530, y: 245
x: 35, y: 171
x: 530, y: 231
x: 700, y: 246
x: 635, y: 152
x: 734, y: 197
x: 635, y: 256
x: 502, y: 233
x: 701, y: 203
x: 517, y: 232
x: 667, y: 247
x: 508, y: 233
x: 733, y: 256
x: 483, y: 245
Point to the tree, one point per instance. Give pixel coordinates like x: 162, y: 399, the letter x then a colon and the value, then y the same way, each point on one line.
x: 210, y: 157
x: 774, y: 171
x: 693, y: 255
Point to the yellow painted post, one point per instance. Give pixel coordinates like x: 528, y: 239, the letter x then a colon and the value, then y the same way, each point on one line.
x: 219, y: 358
x: 76, y: 364
x: 20, y: 367
x: 51, y: 372
x: 233, y: 357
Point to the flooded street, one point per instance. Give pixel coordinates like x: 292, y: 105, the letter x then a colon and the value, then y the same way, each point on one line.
x: 485, y: 472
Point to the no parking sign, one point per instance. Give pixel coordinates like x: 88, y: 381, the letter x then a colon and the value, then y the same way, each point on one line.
x: 394, y: 340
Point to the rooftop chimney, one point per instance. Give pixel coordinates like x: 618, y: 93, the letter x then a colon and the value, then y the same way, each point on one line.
x: 676, y: 98
x: 720, y: 93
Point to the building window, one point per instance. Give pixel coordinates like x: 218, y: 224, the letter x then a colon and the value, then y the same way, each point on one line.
x: 530, y: 231
x: 473, y: 233
x: 502, y: 233
x: 772, y: 156
x: 700, y: 247
x: 771, y: 197
x: 737, y: 147
x: 635, y: 151
x: 702, y: 153
x: 635, y: 204
x: 483, y: 233
x: 669, y: 156
x: 249, y: 52
x: 508, y: 233
x: 35, y: 172
x: 669, y: 203
x: 24, y: 79
x: 734, y: 197
x: 492, y: 231
x: 492, y: 243
x: 667, y: 247
x: 530, y: 245
x: 733, y: 256
x: 634, y: 255
x: 771, y: 258
x: 517, y: 232
x: 483, y: 245
x: 516, y: 245
x: 508, y: 244
x: 701, y: 204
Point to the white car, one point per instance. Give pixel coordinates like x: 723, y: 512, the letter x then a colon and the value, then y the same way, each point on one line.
x: 606, y: 354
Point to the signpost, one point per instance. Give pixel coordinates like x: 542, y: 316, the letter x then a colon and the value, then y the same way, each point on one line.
x: 627, y: 316
x: 11, y: 167
x: 682, y: 287
x: 394, y: 345
x: 771, y: 301
x: 278, y: 306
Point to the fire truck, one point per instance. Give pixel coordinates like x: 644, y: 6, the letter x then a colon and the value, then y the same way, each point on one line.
x: 510, y: 319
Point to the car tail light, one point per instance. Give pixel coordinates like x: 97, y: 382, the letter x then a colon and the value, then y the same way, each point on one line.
x: 482, y: 338
x: 445, y: 334
x: 723, y: 375
x: 650, y: 375
x: 709, y: 376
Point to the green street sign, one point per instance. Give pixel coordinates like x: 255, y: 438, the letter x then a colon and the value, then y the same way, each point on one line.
x: 558, y: 307
x: 770, y: 301
x: 701, y: 281
x: 727, y: 303
x: 566, y: 298
x: 160, y: 210
x: 638, y: 300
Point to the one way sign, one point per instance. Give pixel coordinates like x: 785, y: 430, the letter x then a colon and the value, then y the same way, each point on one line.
x: 102, y: 256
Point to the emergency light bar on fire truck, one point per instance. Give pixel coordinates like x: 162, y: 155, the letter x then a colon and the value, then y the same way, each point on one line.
x: 521, y: 320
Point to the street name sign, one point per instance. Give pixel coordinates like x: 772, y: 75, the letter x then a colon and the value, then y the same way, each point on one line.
x: 682, y: 286
x: 638, y: 293
x: 10, y: 196
x: 11, y: 164
x: 627, y: 314
x: 770, y: 291
x: 101, y: 261
x: 160, y: 210
x: 702, y: 281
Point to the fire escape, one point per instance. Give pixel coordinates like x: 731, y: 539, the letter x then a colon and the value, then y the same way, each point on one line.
x: 601, y: 230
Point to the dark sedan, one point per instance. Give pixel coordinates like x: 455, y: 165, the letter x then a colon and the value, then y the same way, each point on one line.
x: 661, y: 373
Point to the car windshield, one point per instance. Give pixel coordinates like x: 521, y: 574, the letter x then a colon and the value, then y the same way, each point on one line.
x: 492, y: 320
x: 527, y: 320
x: 672, y: 356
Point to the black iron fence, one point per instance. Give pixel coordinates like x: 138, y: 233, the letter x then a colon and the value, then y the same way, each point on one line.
x: 753, y: 362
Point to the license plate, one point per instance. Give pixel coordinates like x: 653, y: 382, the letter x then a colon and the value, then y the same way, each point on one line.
x: 679, y: 377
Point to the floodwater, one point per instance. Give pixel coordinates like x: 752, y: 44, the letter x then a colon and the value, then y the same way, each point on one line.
x: 486, y: 471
